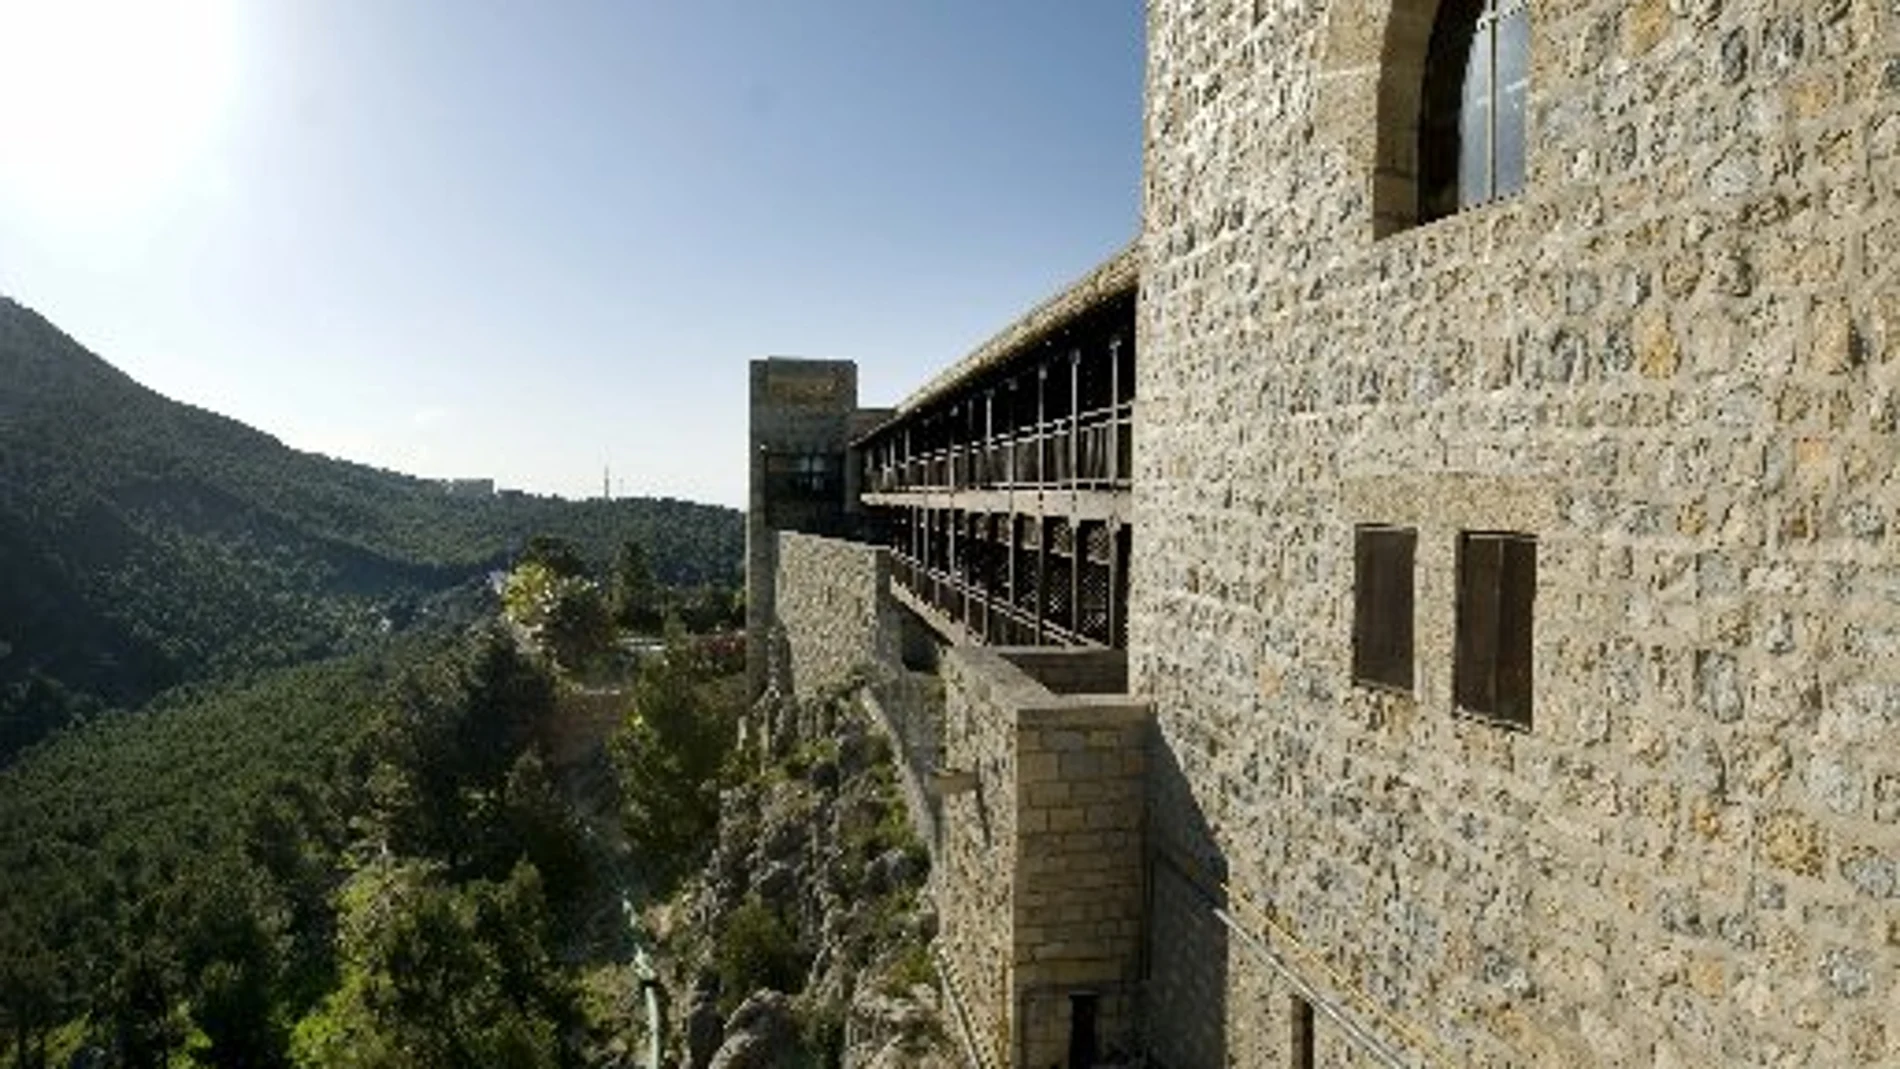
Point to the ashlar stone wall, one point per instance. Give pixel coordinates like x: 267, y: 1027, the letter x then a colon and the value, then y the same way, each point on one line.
x: 1081, y: 758
x: 1675, y: 361
x: 1041, y: 888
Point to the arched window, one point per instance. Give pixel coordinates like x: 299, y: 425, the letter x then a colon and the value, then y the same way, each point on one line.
x: 1471, y: 121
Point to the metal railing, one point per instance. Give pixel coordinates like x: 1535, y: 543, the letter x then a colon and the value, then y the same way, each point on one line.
x: 989, y: 615
x: 1093, y: 449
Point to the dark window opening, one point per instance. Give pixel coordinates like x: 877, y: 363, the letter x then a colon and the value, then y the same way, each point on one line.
x: 805, y: 475
x: 1382, y: 606
x: 1300, y: 1040
x: 1497, y: 589
x: 1082, y: 1046
x: 1472, y: 120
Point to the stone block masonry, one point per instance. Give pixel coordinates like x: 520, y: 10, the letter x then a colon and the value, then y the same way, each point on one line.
x: 974, y: 881
x: 836, y: 628
x: 802, y: 414
x: 836, y: 620
x: 1618, y: 781
x: 1078, y: 896
x: 1674, y: 360
x: 1041, y: 885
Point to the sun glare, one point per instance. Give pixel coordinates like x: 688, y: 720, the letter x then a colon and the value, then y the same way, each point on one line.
x: 105, y: 105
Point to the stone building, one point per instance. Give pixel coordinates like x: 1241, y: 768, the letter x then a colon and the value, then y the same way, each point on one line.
x: 1433, y: 600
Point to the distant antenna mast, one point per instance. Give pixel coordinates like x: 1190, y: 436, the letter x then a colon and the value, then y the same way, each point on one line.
x: 607, y: 482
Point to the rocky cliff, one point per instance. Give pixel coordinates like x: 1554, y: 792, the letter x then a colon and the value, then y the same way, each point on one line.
x: 805, y: 941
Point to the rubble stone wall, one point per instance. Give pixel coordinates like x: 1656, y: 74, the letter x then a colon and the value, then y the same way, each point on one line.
x: 1674, y: 359
x: 794, y: 407
x: 838, y: 626
x: 837, y: 622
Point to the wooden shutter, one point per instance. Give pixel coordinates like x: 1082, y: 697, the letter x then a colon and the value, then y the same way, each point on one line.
x: 1516, y: 598
x: 1382, y: 605
x: 1475, y: 675
x: 1497, y: 588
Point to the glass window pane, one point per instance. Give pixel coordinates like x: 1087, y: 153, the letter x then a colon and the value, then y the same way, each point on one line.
x: 1474, y: 123
x: 1514, y: 81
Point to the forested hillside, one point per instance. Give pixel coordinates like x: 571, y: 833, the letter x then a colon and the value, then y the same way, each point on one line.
x: 367, y: 861
x: 144, y: 543
x: 447, y: 853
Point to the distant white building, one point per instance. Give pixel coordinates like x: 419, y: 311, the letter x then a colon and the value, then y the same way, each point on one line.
x: 469, y: 487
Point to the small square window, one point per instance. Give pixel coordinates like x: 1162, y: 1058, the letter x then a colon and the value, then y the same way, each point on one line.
x: 1382, y: 606
x: 1497, y: 587
x: 804, y: 475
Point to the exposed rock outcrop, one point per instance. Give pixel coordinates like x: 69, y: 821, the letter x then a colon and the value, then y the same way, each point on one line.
x: 805, y: 939
x: 762, y: 1034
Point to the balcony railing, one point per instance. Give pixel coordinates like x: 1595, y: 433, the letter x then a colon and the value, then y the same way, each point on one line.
x: 1036, y: 613
x: 1093, y: 450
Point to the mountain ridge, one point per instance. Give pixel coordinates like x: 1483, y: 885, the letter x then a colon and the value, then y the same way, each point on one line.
x: 146, y: 542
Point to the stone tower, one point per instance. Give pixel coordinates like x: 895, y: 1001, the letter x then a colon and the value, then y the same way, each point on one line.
x: 802, y: 416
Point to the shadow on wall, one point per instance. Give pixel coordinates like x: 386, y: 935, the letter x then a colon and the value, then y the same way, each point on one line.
x: 910, y: 706
x: 919, y: 648
x: 1186, y: 973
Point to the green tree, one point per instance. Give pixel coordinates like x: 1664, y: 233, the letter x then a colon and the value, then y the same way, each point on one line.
x: 446, y: 746
x: 562, y: 615
x: 577, y: 629
x: 635, y: 597
x: 558, y: 555
x: 434, y: 974
x: 232, y: 954
x: 755, y: 948
x: 29, y: 975
x: 544, y: 829
x: 708, y: 608
x: 670, y: 754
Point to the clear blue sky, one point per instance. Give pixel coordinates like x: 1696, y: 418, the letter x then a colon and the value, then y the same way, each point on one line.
x: 527, y: 239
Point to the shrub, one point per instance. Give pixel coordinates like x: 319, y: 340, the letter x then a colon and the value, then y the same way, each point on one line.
x: 756, y: 949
